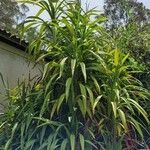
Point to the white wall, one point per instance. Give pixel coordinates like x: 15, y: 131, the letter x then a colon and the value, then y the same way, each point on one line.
x: 14, y: 65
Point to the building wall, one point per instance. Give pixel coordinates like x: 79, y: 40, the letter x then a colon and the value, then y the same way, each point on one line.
x: 14, y: 65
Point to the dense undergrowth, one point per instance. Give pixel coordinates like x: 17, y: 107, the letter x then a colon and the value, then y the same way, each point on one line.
x: 89, y: 96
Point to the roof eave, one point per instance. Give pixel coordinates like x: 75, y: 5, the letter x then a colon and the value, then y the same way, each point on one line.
x: 14, y: 41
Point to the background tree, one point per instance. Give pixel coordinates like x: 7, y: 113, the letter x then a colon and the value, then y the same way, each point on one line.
x: 122, y: 12
x: 129, y: 22
x: 11, y: 13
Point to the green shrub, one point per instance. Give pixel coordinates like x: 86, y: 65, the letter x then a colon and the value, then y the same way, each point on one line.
x: 88, y: 97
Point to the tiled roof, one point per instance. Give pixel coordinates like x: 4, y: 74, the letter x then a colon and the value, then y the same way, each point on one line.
x: 13, y: 40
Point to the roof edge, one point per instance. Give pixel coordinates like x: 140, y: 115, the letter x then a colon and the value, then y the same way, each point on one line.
x: 13, y: 40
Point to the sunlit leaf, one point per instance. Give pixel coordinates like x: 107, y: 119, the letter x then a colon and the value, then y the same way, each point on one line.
x: 114, y: 108
x: 72, y: 141
x: 116, y: 57
x: 68, y: 86
x: 83, y: 68
x: 123, y: 119
x: 81, y: 137
x: 73, y: 65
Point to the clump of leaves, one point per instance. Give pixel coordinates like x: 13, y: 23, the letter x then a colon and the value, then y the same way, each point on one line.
x: 88, y: 91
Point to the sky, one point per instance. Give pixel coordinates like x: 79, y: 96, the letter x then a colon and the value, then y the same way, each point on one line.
x: 91, y: 4
x: 145, y: 2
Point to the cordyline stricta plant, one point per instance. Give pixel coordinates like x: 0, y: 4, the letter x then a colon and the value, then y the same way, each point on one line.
x: 87, y: 97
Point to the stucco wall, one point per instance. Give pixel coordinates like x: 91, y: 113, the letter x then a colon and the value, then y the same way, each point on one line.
x: 14, y: 65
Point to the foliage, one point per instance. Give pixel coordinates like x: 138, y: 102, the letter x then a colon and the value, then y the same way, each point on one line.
x: 122, y: 12
x: 130, y: 21
x: 135, y: 41
x: 87, y: 98
x: 11, y: 13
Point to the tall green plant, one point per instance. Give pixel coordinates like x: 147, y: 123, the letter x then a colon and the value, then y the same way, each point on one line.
x: 87, y: 92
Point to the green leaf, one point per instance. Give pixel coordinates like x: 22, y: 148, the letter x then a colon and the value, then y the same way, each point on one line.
x: 22, y: 140
x: 45, y: 104
x: 64, y: 144
x: 83, y: 102
x: 116, y: 57
x: 7, y: 145
x: 117, y: 92
x: 83, y: 90
x: 125, y: 58
x: 73, y: 65
x: 96, y: 102
x: 123, y: 119
x: 90, y: 143
x: 89, y: 112
x: 91, y: 133
x: 81, y: 141
x: 42, y: 146
x: 140, y: 110
x: 68, y: 26
x: 136, y: 124
x: 40, y: 12
x: 45, y: 70
x: 1, y: 126
x: 101, y: 61
x: 60, y: 101
x: 68, y: 85
x: 53, y: 109
x: 72, y: 141
x: 96, y: 84
x: 62, y: 63
x: 83, y: 68
x: 114, y: 108
x: 49, y: 141
x: 50, y: 82
x: 42, y: 57
x: 90, y: 96
x: 29, y: 144
x: 81, y: 106
x: 42, y: 134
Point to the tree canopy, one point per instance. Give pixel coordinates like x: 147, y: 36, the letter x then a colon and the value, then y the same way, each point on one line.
x: 11, y: 13
x: 122, y: 12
